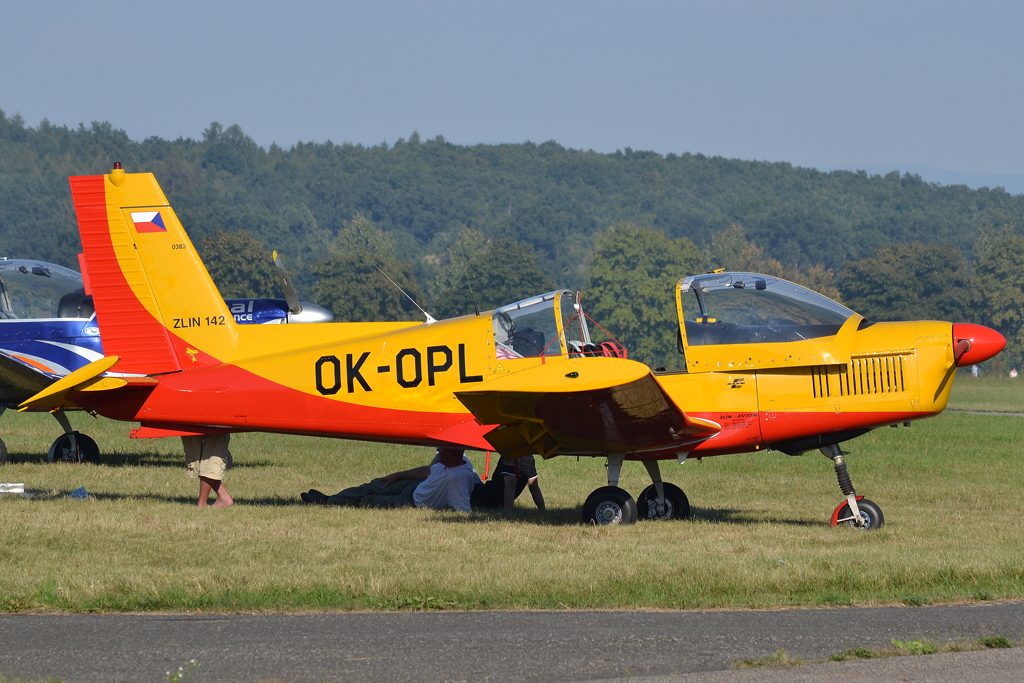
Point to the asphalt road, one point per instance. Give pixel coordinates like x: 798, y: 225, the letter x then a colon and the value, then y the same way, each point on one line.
x: 491, y: 646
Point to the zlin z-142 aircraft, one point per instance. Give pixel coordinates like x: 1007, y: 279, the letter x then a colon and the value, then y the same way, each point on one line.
x: 768, y: 364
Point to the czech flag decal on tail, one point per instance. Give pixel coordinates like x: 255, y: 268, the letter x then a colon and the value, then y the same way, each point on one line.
x: 148, y: 221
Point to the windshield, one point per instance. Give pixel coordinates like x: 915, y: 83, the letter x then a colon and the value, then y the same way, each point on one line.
x: 745, y: 308
x: 35, y: 289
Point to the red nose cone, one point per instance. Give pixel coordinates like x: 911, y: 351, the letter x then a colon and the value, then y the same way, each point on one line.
x: 984, y: 342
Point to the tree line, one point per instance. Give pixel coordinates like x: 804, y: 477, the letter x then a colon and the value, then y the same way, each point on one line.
x: 471, y: 227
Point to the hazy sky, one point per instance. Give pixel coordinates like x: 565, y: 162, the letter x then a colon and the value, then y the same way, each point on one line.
x: 851, y: 84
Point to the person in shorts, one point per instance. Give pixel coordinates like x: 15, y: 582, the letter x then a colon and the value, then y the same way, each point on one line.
x: 508, y: 480
x: 207, y: 458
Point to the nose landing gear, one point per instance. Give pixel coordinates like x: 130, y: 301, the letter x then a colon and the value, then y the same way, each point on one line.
x: 857, y: 512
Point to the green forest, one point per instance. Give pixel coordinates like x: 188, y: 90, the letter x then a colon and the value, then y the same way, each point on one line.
x: 461, y: 226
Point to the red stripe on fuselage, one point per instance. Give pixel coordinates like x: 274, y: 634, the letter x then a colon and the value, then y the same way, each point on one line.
x: 229, y: 396
x: 787, y: 425
x: 742, y: 433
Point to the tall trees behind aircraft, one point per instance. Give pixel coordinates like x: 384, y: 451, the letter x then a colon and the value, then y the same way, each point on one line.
x: 999, y: 297
x: 522, y: 215
x: 482, y: 274
x: 240, y: 265
x: 352, y: 281
x: 909, y: 282
x: 631, y: 289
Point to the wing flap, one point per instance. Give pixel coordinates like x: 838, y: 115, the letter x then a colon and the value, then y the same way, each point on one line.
x: 585, y: 407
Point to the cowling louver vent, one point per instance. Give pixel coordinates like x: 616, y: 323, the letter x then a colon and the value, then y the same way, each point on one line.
x: 860, y: 377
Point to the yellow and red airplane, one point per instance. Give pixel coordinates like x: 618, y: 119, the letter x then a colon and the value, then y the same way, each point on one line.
x: 768, y: 364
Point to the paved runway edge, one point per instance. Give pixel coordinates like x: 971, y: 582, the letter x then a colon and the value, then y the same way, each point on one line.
x: 468, y: 646
x: 991, y: 666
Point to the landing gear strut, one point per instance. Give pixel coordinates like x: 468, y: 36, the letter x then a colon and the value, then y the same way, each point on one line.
x: 857, y: 512
x: 611, y: 505
x: 72, y: 446
x: 661, y: 500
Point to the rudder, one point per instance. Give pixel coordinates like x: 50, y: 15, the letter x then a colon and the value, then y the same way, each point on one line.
x: 155, y: 301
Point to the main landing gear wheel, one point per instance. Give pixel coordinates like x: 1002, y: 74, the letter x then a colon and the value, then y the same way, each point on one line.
x: 609, y: 505
x: 61, y: 449
x: 676, y: 504
x: 870, y: 513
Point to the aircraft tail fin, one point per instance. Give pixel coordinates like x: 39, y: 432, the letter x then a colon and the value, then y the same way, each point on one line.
x: 156, y: 305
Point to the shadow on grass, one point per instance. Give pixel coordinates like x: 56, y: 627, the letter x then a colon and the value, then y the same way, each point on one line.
x: 266, y: 501
x: 573, y: 516
x: 743, y: 517
x: 132, y: 460
x: 557, y: 516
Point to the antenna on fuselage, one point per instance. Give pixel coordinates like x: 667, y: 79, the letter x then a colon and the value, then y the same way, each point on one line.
x: 472, y: 295
x: 430, y: 318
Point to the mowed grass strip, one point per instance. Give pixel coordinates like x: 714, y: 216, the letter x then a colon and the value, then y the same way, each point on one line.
x: 949, y: 488
x: 991, y: 392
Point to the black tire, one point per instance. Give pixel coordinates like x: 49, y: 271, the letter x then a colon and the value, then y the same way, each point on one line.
x: 3, y: 452
x: 676, y: 504
x: 869, y: 511
x: 609, y: 505
x: 88, y: 448
x: 61, y: 451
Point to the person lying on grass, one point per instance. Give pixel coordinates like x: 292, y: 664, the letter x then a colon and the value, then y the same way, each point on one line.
x: 445, y: 484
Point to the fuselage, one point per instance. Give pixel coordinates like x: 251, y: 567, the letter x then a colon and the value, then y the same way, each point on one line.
x: 397, y: 383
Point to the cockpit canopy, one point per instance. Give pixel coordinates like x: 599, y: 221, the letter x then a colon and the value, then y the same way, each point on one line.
x: 551, y: 324
x: 35, y: 289
x: 746, y: 308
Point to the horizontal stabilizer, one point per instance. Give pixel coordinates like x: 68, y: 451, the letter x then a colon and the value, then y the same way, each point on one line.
x: 85, y: 379
x: 70, y: 381
x: 589, y: 406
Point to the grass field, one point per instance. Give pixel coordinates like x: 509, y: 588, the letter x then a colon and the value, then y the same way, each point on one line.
x: 949, y: 488
x: 1000, y: 394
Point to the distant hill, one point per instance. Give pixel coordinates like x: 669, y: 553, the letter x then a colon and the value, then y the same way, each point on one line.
x: 424, y: 192
x: 1011, y: 182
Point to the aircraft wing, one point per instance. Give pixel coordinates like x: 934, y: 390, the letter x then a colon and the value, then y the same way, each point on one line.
x: 586, y: 406
x: 20, y: 379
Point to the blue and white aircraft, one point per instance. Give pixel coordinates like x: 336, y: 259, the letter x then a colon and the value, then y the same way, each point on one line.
x: 48, y: 329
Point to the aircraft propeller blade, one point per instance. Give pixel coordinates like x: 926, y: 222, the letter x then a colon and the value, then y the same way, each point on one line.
x: 294, y: 307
